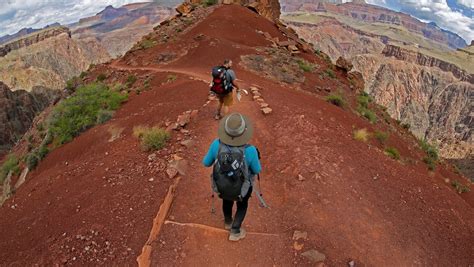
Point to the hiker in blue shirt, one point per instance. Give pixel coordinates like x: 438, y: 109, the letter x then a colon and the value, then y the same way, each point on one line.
x: 235, y: 163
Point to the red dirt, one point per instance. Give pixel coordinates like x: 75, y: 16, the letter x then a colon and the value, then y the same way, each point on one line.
x: 355, y: 203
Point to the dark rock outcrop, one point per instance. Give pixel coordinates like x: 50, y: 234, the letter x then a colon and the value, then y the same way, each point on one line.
x: 18, y: 109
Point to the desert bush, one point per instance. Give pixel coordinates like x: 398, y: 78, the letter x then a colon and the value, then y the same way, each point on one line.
x: 406, y: 126
x: 32, y: 160
x: 152, y: 138
x: 431, y: 151
x: 209, y: 2
x: 381, y: 136
x: 330, y: 73
x: 131, y: 79
x: 460, y: 187
x: 336, y: 99
x: 392, y: 152
x: 364, y: 99
x: 171, y: 78
x: 104, y: 115
x: 361, y: 135
x: 367, y: 113
x: 42, y: 152
x: 147, y: 43
x: 10, y: 164
x: 79, y: 112
x: 305, y: 66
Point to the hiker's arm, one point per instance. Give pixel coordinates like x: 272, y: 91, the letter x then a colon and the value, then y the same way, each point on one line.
x: 255, y: 166
x: 234, y: 83
x: 211, y: 154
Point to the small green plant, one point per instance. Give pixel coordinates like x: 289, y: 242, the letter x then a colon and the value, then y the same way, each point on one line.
x: 330, y: 73
x: 171, y: 78
x: 146, y: 84
x: 361, y: 135
x: 80, y: 111
x: 367, y: 113
x: 392, y: 152
x: 131, y: 79
x: 40, y: 127
x: 381, y: 136
x: 460, y: 188
x: 336, y: 99
x: 104, y: 115
x: 153, y: 138
x: 406, y: 126
x: 305, y: 66
x: 10, y: 165
x: 101, y: 77
x: 83, y: 74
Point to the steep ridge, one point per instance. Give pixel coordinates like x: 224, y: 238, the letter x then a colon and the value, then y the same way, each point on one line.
x: 354, y: 202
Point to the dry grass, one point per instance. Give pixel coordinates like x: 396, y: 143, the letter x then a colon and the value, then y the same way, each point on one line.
x: 361, y: 135
x: 151, y: 138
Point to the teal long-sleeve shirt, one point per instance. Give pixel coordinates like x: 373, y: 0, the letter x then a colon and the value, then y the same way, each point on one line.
x: 251, y: 157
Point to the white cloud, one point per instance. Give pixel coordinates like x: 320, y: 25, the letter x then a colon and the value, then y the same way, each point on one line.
x: 467, y: 3
x: 18, y: 14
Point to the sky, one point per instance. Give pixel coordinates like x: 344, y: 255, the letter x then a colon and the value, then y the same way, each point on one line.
x: 454, y: 15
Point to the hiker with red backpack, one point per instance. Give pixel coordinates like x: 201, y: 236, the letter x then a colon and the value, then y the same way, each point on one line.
x: 235, y: 164
x: 223, y: 82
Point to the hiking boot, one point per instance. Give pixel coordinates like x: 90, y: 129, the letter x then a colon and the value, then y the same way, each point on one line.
x: 228, y: 224
x: 238, y: 236
x: 218, y: 117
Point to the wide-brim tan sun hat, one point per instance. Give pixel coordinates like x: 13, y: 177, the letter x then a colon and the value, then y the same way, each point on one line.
x: 235, y: 129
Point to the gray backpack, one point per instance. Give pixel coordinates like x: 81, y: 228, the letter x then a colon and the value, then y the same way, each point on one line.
x: 230, y: 176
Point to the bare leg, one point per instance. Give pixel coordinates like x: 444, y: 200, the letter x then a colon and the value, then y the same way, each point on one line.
x: 226, y: 110
x: 219, y: 108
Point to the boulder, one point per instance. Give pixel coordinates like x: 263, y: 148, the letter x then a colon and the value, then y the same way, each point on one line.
x: 344, y: 64
x: 183, y: 119
x: 184, y: 9
x: 267, y: 110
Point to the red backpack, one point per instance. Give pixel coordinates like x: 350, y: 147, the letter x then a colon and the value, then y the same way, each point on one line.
x: 220, y: 84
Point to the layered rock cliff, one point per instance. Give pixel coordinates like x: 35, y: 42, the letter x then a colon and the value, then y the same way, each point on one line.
x: 371, y: 14
x: 49, y: 62
x: 32, y: 38
x: 431, y: 95
x: 267, y: 8
x: 18, y: 109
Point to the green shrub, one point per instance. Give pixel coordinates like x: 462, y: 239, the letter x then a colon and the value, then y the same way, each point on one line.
x: 42, y: 152
x: 104, y: 115
x: 10, y: 164
x: 336, y: 99
x: 210, y: 2
x: 460, y: 187
x: 392, y: 152
x: 79, y: 112
x: 431, y: 151
x: 146, y: 84
x: 83, y: 74
x: 367, y: 113
x: 330, y: 73
x: 101, y: 77
x: 32, y: 160
x: 131, y: 79
x: 305, y: 66
x: 381, y: 136
x: 40, y: 127
x: 364, y: 99
x: 153, y: 138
